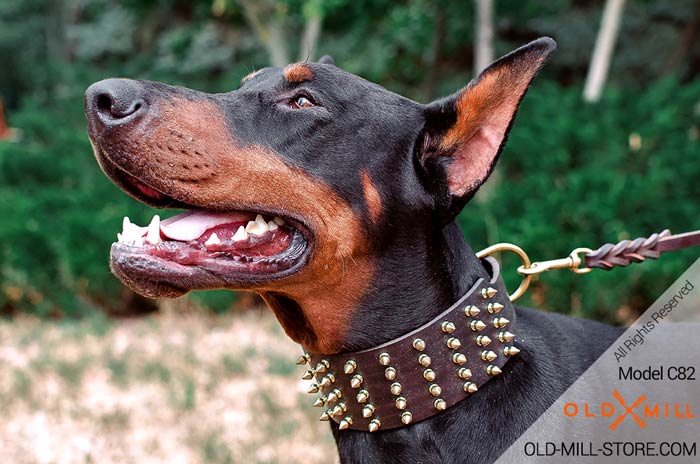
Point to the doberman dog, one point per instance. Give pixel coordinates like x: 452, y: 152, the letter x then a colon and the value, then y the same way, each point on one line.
x: 335, y: 200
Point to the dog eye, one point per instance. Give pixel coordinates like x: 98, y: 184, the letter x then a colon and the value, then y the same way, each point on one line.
x: 300, y: 102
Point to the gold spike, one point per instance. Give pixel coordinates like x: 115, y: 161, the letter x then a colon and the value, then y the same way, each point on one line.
x: 483, y: 340
x: 325, y: 416
x: 303, y: 359
x: 390, y: 373
x: 368, y: 411
x: 453, y: 343
x: 477, y: 326
x: 308, y: 375
x: 459, y: 358
x: 356, y: 381
x: 510, y: 351
x: 470, y: 387
x: 494, y: 307
x: 321, y: 367
x: 440, y: 404
x: 374, y: 425
x: 320, y: 402
x: 464, y: 373
x: 429, y: 375
x: 395, y: 388
x: 505, y: 336
x: 493, y: 370
x: 362, y: 396
x: 350, y: 367
x: 447, y: 327
x: 337, y: 410
x: 424, y: 360
x: 488, y: 292
x: 435, y: 389
x: 400, y: 403
x: 384, y: 359
x: 313, y: 388
x: 345, y: 423
x: 471, y: 311
x: 327, y: 380
x: 419, y: 344
x: 499, y: 322
x: 488, y: 355
x: 406, y: 417
x: 334, y: 395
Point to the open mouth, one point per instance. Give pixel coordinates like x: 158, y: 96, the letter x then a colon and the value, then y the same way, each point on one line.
x: 203, y: 248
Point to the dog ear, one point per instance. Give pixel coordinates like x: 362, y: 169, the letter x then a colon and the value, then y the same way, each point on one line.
x: 326, y: 59
x: 465, y: 133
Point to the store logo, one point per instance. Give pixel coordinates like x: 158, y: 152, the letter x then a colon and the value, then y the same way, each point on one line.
x: 638, y: 411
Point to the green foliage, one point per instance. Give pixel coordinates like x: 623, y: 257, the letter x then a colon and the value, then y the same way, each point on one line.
x: 570, y: 175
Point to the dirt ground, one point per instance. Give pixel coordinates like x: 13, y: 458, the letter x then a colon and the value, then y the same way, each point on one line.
x: 173, y: 388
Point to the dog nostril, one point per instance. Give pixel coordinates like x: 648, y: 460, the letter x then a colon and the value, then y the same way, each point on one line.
x: 104, y: 103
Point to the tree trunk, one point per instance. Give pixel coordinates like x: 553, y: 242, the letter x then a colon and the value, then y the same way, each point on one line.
x: 313, y: 14
x: 602, y: 53
x: 436, y: 51
x: 483, y: 47
x: 268, y: 24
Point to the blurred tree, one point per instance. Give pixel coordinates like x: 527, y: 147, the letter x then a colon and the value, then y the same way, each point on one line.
x: 483, y: 43
x: 602, y: 53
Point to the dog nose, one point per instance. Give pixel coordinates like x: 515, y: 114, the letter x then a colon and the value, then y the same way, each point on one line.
x: 115, y: 101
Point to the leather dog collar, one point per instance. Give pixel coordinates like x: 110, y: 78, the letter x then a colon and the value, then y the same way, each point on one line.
x: 423, y: 372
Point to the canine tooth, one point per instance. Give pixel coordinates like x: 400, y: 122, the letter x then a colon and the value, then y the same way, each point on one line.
x: 240, y: 235
x: 261, y: 221
x: 125, y: 223
x: 119, y: 238
x: 272, y: 226
x: 212, y: 240
x: 254, y: 228
x: 153, y: 235
x: 279, y: 221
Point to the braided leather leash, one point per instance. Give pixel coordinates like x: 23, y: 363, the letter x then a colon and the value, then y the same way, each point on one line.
x: 583, y: 260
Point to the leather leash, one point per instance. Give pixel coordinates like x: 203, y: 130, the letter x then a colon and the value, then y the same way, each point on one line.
x: 608, y: 256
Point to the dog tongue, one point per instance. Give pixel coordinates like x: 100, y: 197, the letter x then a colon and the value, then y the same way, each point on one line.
x: 192, y: 224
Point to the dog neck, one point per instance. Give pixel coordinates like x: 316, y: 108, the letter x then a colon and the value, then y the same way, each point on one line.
x: 408, y: 290
x: 423, y: 372
x: 412, y: 289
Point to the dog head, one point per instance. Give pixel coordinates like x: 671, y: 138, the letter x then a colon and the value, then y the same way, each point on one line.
x: 305, y: 181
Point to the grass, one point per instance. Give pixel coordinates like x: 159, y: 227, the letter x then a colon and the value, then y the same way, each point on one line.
x: 171, y: 388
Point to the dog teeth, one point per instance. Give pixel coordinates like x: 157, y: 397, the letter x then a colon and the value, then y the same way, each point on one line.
x: 212, y: 240
x: 257, y: 227
x: 272, y: 226
x: 279, y: 221
x: 240, y: 235
x: 153, y: 234
x: 131, y: 233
